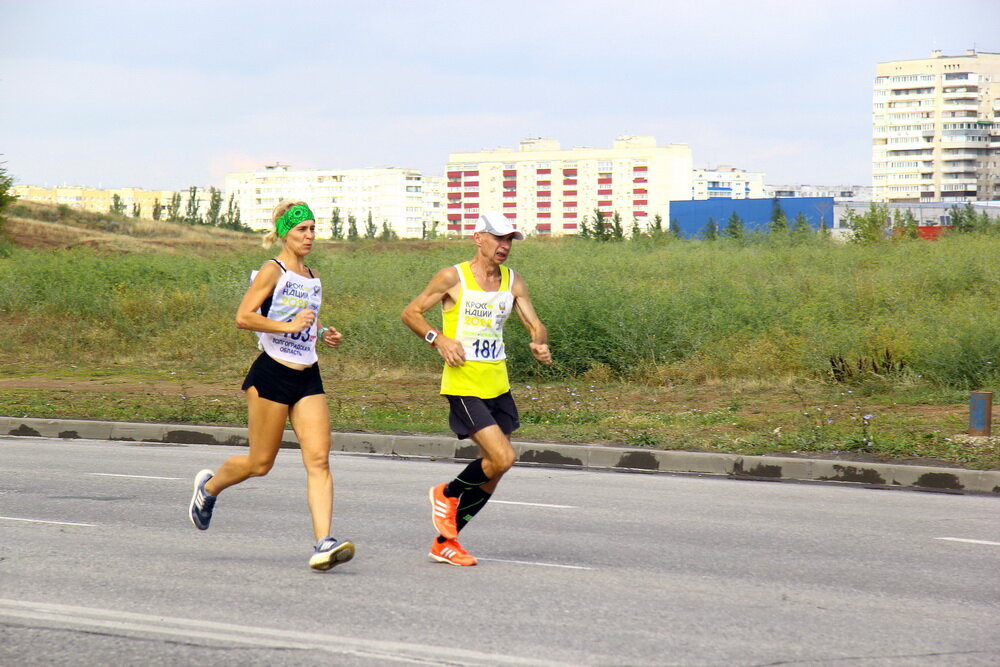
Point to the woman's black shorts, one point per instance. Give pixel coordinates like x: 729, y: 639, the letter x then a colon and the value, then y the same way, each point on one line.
x: 470, y: 414
x: 281, y: 384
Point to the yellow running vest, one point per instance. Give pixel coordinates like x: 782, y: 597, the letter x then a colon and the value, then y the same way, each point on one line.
x: 476, y: 320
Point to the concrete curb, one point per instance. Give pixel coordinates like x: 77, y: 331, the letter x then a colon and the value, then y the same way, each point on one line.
x: 583, y: 457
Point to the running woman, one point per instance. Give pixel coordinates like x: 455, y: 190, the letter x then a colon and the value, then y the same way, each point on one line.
x: 282, y: 306
x: 476, y: 298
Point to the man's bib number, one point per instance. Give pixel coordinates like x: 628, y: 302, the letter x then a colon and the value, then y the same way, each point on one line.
x: 489, y: 350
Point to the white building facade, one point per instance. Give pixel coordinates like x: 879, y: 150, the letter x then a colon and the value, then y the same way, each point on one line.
x: 404, y: 200
x: 840, y: 193
x: 725, y: 182
x: 935, y: 125
x: 547, y: 190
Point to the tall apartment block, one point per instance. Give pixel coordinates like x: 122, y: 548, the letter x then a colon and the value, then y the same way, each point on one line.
x: 406, y: 200
x: 547, y: 190
x: 937, y: 129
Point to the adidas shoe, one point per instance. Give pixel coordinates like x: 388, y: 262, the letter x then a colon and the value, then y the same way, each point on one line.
x: 444, y: 511
x: 202, y: 504
x: 451, y: 552
x: 330, y: 552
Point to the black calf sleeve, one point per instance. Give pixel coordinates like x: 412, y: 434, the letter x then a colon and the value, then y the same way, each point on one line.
x: 472, y: 476
x: 469, y: 505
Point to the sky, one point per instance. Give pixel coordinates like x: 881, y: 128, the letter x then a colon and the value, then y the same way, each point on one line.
x: 168, y: 94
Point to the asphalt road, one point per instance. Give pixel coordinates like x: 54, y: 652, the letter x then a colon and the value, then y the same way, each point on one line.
x: 99, y: 564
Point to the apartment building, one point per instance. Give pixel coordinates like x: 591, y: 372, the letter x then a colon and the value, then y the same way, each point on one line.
x: 408, y: 202
x: 726, y: 182
x: 547, y: 190
x: 936, y: 128
x: 840, y: 193
x: 100, y: 200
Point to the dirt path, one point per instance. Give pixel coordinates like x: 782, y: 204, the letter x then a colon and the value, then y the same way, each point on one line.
x: 164, y: 388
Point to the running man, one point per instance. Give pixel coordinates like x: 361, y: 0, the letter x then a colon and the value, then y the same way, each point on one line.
x: 476, y: 298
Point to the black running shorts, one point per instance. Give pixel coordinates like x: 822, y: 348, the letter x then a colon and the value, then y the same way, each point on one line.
x: 281, y: 384
x: 470, y: 414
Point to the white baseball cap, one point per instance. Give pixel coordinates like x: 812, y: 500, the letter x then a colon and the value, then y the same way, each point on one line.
x: 498, y: 225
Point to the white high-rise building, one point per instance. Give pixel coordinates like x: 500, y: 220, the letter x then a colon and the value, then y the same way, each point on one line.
x: 936, y: 129
x: 726, y: 182
x: 548, y: 190
x: 405, y: 200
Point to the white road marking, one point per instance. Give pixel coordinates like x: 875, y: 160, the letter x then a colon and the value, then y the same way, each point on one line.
x: 54, y: 523
x: 961, y: 539
x: 514, y: 502
x: 126, y: 624
x: 528, y: 562
x: 111, y: 474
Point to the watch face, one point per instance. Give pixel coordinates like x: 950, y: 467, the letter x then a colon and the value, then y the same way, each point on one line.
x: 430, y: 336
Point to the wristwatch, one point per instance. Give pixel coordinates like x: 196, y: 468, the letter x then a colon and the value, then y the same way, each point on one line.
x: 431, y: 336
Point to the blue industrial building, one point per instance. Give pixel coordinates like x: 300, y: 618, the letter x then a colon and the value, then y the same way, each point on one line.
x: 692, y: 216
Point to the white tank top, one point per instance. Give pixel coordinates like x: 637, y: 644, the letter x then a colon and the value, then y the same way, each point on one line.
x: 481, y: 316
x: 293, y: 293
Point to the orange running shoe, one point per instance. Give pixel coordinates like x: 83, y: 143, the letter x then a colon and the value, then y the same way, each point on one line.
x: 451, y: 552
x: 445, y: 511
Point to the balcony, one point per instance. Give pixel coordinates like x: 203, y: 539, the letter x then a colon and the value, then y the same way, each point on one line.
x: 967, y: 141
x: 961, y: 102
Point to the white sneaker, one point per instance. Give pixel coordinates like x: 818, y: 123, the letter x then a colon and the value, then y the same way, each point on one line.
x: 329, y: 552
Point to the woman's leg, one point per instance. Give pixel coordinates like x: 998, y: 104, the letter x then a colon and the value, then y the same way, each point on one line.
x: 266, y: 425
x: 311, y: 422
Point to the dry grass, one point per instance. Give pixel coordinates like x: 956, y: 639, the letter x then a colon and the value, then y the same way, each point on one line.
x: 37, y: 225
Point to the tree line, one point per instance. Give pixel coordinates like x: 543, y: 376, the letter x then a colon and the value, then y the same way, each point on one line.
x: 214, y: 214
x: 347, y: 229
x: 600, y: 227
x: 878, y: 223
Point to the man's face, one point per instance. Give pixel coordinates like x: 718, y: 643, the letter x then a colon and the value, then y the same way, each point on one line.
x: 494, y: 247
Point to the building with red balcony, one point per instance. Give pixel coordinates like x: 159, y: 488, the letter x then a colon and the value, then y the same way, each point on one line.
x: 548, y: 190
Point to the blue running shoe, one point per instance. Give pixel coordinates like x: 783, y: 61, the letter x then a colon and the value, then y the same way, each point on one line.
x: 330, y: 552
x: 202, y: 503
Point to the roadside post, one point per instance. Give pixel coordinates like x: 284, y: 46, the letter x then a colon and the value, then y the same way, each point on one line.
x: 980, y: 412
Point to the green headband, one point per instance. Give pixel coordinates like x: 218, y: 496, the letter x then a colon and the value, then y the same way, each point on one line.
x: 293, y: 217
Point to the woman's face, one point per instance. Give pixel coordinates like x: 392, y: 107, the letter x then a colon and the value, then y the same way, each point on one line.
x: 300, y: 237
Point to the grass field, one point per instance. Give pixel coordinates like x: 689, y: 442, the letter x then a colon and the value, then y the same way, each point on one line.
x: 767, y: 346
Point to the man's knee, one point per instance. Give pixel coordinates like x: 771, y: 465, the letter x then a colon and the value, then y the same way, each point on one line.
x: 503, y: 461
